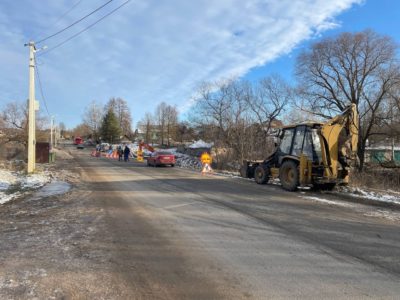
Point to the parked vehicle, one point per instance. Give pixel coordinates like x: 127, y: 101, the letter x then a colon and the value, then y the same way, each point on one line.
x: 161, y: 158
x: 78, y: 140
x: 311, y: 154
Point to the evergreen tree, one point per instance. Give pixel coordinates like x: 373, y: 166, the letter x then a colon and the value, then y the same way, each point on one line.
x: 121, y: 110
x: 110, y: 129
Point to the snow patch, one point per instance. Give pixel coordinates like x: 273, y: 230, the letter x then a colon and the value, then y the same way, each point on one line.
x: 200, y: 144
x: 329, y: 202
x: 371, y: 195
x: 35, y: 180
x: 384, y: 214
x: 52, y: 189
x: 15, y: 184
x: 7, y: 178
x: 187, y: 161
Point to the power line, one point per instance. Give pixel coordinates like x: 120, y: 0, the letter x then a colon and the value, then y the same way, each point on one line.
x: 67, y: 12
x: 85, y: 29
x: 62, y: 16
x: 40, y: 87
x: 74, y: 23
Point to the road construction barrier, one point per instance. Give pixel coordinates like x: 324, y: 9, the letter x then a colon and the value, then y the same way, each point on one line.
x: 113, y: 154
x: 206, y: 169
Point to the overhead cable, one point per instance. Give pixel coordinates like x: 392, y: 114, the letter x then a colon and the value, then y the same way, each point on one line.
x: 62, y: 16
x: 41, y: 88
x: 85, y: 29
x: 74, y: 23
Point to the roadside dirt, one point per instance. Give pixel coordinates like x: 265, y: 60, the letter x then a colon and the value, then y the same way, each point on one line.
x: 41, y: 241
x: 87, y: 244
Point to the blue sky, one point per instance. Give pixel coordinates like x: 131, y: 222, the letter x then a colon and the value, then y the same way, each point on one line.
x: 157, y: 50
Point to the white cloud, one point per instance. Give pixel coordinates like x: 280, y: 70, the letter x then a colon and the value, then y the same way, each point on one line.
x: 152, y: 51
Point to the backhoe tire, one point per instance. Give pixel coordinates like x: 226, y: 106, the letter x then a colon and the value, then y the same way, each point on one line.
x: 289, y: 175
x: 261, y: 174
x: 244, y: 172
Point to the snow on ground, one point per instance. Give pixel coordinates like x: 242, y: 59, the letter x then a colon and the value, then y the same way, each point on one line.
x: 382, y: 196
x: 329, y: 202
x: 52, y: 189
x: 15, y: 184
x: 6, y: 179
x: 200, y: 144
x: 187, y: 161
x: 366, y: 210
x: 382, y: 213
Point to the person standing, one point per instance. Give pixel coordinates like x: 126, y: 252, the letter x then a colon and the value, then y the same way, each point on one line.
x: 120, y: 152
x: 127, y: 151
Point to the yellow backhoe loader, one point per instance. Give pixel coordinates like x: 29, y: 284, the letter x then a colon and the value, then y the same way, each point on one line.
x: 311, y: 154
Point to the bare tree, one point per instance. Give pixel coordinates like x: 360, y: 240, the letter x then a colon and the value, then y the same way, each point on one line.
x: 15, y: 119
x: 161, y: 117
x: 62, y: 129
x: 269, y: 98
x: 81, y: 130
x: 15, y: 115
x: 267, y: 101
x: 146, y: 126
x: 359, y: 68
x: 92, y: 118
x: 184, y: 132
x: 14, y: 130
x: 171, y: 122
x: 221, y: 111
x: 238, y: 116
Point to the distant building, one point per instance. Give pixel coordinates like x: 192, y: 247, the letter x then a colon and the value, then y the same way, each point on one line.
x: 381, y: 154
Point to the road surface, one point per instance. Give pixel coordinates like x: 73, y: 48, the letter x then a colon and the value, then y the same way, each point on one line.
x: 170, y: 233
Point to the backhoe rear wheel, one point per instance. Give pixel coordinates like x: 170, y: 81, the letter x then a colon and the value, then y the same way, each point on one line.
x: 289, y: 175
x: 261, y: 174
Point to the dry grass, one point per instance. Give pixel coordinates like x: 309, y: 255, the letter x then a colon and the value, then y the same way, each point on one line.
x: 377, y: 178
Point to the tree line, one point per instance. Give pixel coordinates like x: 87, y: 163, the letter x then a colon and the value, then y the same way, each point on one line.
x: 239, y: 116
x: 108, y: 123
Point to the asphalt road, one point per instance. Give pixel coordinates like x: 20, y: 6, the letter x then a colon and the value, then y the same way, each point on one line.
x: 178, y: 235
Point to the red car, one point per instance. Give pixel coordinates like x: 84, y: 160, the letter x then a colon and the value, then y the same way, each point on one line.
x: 161, y: 158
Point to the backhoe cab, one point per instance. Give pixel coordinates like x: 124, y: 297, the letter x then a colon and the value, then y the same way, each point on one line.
x: 311, y: 154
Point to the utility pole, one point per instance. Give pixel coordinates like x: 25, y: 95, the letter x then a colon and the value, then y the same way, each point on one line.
x: 51, y: 131
x: 31, y: 111
x: 55, y: 136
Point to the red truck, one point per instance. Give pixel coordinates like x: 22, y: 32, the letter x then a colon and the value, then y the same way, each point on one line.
x: 78, y: 141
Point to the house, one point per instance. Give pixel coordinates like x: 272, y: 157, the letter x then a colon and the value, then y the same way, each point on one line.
x: 381, y: 154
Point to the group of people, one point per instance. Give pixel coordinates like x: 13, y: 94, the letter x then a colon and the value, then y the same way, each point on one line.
x: 123, y: 152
